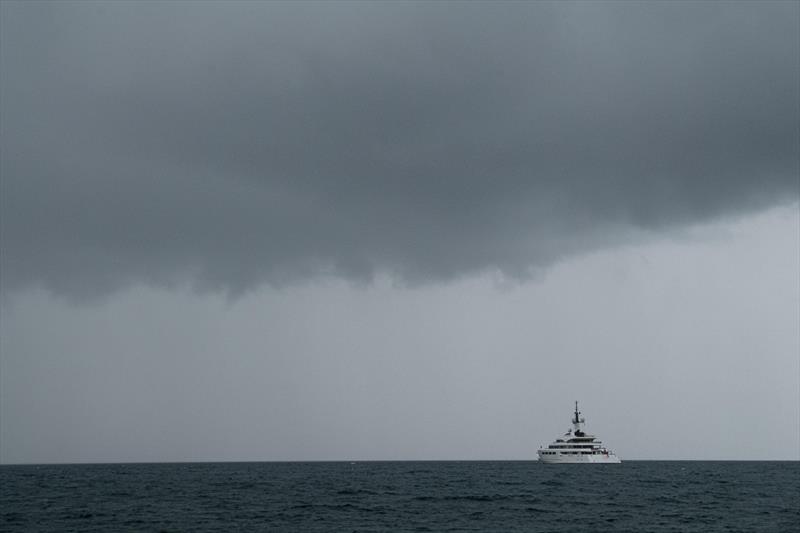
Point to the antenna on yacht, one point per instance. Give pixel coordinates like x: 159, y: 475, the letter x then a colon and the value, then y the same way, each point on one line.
x: 577, y: 421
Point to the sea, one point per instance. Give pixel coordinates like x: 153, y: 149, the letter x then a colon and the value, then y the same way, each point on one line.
x: 635, y: 496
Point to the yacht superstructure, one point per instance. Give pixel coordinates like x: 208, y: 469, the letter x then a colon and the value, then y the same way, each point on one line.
x: 576, y: 446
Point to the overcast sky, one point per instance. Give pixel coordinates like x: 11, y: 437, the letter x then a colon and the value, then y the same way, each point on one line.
x: 272, y: 231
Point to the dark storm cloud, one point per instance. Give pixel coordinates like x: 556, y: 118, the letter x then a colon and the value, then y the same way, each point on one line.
x: 233, y: 144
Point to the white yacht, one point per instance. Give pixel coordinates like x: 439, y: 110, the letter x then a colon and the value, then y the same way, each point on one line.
x: 577, y: 447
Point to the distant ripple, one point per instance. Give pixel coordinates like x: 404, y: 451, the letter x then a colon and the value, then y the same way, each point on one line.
x: 403, y: 496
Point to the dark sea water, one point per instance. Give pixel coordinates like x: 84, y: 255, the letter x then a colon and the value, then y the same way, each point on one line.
x: 403, y: 496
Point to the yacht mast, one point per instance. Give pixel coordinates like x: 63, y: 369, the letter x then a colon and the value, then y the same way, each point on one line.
x: 577, y: 421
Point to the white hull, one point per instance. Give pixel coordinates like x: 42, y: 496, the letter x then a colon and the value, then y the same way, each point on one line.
x: 564, y: 459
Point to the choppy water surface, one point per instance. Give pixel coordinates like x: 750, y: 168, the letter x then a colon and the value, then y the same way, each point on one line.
x: 412, y: 496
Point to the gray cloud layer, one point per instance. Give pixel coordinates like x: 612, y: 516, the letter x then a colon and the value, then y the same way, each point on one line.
x: 234, y: 144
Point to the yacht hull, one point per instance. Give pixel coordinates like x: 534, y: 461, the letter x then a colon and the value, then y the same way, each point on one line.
x: 566, y: 459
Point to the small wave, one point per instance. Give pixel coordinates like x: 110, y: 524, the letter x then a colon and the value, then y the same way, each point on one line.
x: 301, y: 506
x: 355, y: 492
x: 13, y: 517
x: 537, y: 510
x: 552, y: 483
x: 477, y: 498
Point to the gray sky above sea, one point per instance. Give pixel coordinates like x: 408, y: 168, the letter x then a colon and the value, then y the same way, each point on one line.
x: 398, y: 230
